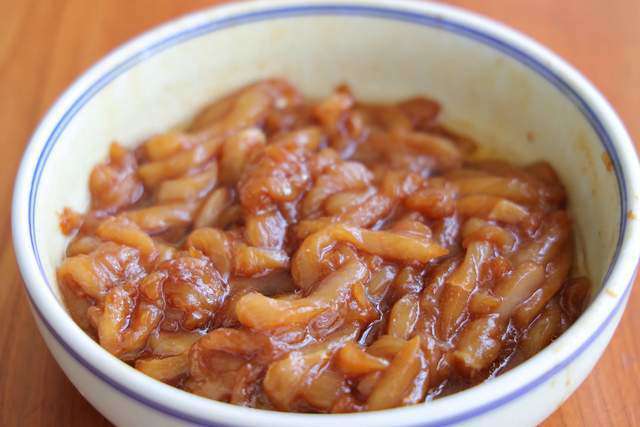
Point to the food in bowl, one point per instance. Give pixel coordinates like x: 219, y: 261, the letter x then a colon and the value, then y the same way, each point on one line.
x: 331, y: 256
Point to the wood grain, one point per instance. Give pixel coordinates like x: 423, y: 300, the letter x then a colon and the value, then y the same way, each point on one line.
x: 44, y: 45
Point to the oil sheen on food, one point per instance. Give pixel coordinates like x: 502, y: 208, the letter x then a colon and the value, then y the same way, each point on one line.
x: 320, y: 256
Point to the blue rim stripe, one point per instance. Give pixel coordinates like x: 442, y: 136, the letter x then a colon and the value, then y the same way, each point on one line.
x: 443, y: 422
x: 330, y: 10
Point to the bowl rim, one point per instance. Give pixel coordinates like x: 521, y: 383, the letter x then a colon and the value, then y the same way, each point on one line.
x: 458, y: 407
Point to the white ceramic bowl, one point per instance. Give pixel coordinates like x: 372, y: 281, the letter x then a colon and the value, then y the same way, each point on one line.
x: 510, y: 93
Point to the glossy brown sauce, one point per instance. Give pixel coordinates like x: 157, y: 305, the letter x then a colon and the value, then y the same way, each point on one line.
x: 328, y: 256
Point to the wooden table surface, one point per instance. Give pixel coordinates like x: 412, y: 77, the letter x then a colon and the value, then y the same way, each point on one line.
x: 46, y: 44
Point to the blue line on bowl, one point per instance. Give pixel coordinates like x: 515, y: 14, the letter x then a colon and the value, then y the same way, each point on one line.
x: 330, y: 10
x: 482, y: 409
